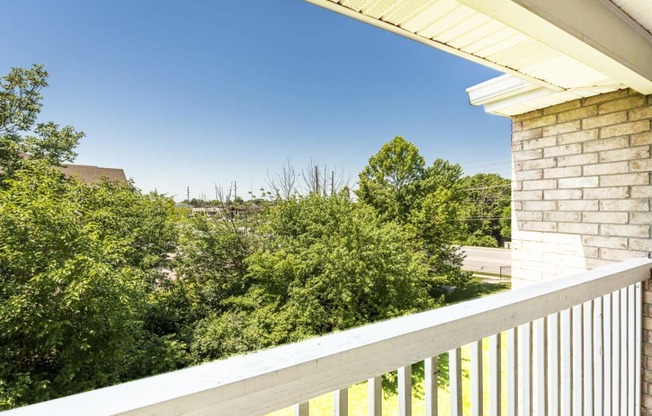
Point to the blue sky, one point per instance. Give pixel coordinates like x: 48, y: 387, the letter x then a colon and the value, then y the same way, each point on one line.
x: 193, y: 93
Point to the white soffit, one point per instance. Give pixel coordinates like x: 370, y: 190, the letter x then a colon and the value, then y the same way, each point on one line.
x: 527, y: 40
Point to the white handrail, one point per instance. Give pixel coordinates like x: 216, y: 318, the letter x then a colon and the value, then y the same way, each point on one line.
x: 269, y: 380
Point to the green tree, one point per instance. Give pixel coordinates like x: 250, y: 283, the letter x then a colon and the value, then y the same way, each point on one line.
x: 426, y: 201
x: 321, y: 264
x: 79, y: 266
x: 391, y: 182
x: 20, y: 134
x: 487, y: 201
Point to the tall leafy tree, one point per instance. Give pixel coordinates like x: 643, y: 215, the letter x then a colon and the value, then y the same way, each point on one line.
x: 391, y: 182
x: 426, y: 201
x: 20, y: 133
x: 79, y: 266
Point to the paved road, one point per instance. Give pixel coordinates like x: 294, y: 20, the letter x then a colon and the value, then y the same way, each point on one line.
x: 488, y: 260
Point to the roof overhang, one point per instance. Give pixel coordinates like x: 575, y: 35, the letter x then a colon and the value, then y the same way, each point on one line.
x: 553, y: 50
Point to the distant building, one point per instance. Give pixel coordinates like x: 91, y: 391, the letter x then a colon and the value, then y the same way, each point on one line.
x: 90, y: 174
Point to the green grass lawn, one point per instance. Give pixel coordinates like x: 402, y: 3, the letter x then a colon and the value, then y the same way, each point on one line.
x: 323, y: 405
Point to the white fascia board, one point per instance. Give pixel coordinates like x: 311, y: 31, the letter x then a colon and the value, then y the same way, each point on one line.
x: 590, y: 31
x: 338, y: 8
x: 498, y: 89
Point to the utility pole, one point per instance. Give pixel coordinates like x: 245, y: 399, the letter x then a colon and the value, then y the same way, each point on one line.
x: 316, y: 179
x: 235, y: 190
x: 188, y: 197
x: 332, y: 182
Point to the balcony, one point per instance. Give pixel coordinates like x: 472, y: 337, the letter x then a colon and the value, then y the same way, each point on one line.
x: 572, y: 346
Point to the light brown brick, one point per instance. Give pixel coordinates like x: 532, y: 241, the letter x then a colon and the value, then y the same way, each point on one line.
x: 625, y: 128
x: 643, y: 244
x: 641, y: 165
x: 641, y: 192
x: 567, y: 149
x: 627, y: 205
x: 529, y: 216
x: 527, y: 135
x: 539, y: 143
x: 539, y: 226
x: 563, y: 172
x: 577, y: 114
x: 597, y: 99
x: 527, y: 195
x: 570, y: 105
x: 527, y: 155
x: 562, y: 216
x: 609, y: 242
x: 640, y: 217
x: 619, y: 255
x: 558, y: 194
x: 540, y: 184
x: 577, y: 228
x: 516, y: 126
x: 572, y: 160
x: 527, y: 116
x: 542, y: 205
x: 606, y: 193
x: 580, y: 182
x: 625, y: 179
x: 541, y: 163
x: 640, y: 113
x: 625, y: 230
x: 577, y: 137
x: 630, y: 153
x: 562, y: 128
x: 606, y: 144
x: 529, y: 174
x: 622, y: 104
x: 641, y: 139
x: 606, y: 168
x: 605, y: 217
x: 539, y: 122
x: 572, y: 205
x: 604, y: 120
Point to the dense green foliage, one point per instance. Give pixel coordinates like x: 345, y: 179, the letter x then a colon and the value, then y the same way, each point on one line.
x: 78, y: 266
x: 488, y: 209
x: 101, y: 284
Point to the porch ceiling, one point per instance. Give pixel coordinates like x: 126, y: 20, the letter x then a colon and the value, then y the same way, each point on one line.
x: 562, y: 50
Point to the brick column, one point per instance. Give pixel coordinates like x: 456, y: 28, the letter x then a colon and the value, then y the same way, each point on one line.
x: 582, y: 189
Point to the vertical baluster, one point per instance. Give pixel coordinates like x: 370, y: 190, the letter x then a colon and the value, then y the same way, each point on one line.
x: 455, y: 380
x: 525, y: 345
x: 476, y: 378
x: 375, y: 396
x: 638, y: 338
x: 624, y: 349
x: 541, y: 336
x: 576, y: 317
x: 615, y: 352
x: 494, y: 374
x: 587, y: 339
x: 341, y: 402
x: 431, y: 372
x: 598, y: 362
x: 631, y: 349
x: 302, y: 409
x: 566, y: 397
x: 554, y: 380
x: 512, y: 372
x: 607, y: 355
x: 405, y: 391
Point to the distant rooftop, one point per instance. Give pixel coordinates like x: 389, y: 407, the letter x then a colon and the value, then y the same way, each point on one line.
x: 92, y: 174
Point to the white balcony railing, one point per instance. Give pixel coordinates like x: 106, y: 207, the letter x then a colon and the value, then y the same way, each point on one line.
x: 572, y: 347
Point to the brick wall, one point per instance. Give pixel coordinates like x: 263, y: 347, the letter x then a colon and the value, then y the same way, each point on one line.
x: 582, y: 192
